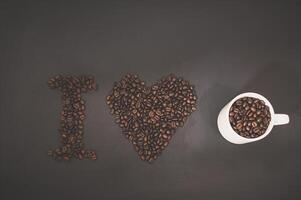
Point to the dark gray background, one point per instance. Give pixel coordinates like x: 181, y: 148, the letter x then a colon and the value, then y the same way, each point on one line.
x: 223, y: 48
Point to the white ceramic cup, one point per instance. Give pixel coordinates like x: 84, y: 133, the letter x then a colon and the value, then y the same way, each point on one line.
x: 225, y: 128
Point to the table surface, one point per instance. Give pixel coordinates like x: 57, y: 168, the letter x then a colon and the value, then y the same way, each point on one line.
x: 223, y: 48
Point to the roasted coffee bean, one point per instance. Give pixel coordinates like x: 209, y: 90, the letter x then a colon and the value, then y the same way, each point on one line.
x: 149, y: 116
x: 249, y: 117
x: 72, y: 116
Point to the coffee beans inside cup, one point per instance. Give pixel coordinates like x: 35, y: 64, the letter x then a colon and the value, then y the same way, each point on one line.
x: 249, y: 117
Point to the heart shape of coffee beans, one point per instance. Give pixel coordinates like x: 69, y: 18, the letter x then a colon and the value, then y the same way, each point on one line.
x: 149, y: 116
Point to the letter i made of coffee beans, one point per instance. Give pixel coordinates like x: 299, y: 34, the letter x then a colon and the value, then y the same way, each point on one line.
x: 72, y: 116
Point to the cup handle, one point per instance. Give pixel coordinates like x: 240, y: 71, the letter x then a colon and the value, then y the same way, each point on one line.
x: 280, y: 119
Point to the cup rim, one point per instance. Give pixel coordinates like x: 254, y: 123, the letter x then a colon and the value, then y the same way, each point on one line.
x: 258, y: 96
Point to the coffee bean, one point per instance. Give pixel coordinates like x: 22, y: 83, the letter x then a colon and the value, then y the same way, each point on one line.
x: 249, y: 117
x: 72, y: 116
x: 238, y: 126
x: 152, y: 113
x: 253, y: 109
x: 256, y: 130
x: 239, y: 102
